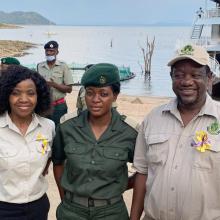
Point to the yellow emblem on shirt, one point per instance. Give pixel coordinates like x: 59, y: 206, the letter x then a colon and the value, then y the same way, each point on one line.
x: 44, y: 141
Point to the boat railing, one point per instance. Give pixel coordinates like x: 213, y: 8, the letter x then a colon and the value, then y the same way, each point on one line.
x: 203, y: 41
x: 215, y: 66
x: 211, y: 13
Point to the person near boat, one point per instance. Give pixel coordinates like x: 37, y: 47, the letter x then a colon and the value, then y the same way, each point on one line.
x: 177, y: 153
x: 58, y: 77
x: 25, y: 144
x: 91, y: 151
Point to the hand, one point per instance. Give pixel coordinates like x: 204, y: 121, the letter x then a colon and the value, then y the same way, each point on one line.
x: 45, y: 172
x: 51, y: 83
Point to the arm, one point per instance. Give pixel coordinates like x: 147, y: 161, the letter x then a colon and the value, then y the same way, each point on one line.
x: 61, y: 87
x: 131, y: 181
x: 138, y: 196
x: 45, y: 172
x: 58, y: 171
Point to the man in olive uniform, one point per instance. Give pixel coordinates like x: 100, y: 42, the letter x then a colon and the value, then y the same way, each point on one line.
x: 6, y: 61
x: 58, y: 77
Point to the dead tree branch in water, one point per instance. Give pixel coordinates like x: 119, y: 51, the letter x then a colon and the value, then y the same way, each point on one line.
x: 147, y: 53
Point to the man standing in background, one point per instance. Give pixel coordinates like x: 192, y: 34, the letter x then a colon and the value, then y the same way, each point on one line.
x: 58, y: 77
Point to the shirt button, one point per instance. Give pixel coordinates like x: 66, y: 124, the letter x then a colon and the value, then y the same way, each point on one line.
x: 172, y: 188
x: 92, y: 162
x: 90, y: 179
x: 116, y: 154
x: 176, y: 167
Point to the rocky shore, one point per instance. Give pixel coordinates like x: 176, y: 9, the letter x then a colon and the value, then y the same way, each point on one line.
x: 13, y: 48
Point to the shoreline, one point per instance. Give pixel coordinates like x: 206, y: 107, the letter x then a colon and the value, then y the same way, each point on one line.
x: 14, y: 48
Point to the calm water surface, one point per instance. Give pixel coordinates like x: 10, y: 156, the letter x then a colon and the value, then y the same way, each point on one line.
x: 93, y: 45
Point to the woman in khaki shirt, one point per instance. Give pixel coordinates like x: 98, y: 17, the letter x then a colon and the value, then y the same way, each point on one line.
x: 25, y: 144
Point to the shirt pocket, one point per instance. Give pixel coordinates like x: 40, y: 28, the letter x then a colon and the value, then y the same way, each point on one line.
x: 77, y: 160
x: 116, y: 154
x: 40, y: 148
x: 210, y: 159
x: 58, y: 76
x: 158, y: 148
x: 75, y: 149
x: 7, y: 154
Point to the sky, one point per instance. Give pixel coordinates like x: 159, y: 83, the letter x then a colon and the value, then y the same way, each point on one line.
x: 110, y: 12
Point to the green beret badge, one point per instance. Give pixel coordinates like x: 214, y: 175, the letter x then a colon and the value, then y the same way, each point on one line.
x: 102, y: 80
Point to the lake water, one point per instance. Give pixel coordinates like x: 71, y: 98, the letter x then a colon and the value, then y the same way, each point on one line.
x: 92, y: 45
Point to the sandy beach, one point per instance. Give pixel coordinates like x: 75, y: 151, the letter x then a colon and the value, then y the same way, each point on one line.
x: 135, y: 107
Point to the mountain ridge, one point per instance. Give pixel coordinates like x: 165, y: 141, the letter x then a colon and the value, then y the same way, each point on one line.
x: 25, y: 18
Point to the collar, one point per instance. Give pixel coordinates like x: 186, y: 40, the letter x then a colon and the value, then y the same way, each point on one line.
x: 57, y: 63
x: 209, y: 108
x: 5, y: 120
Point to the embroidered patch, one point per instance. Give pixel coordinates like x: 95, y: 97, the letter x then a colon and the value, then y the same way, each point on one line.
x: 214, y: 128
x: 187, y: 50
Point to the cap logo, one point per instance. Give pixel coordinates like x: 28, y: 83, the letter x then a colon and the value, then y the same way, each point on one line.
x: 51, y: 45
x: 102, y: 80
x: 187, y: 50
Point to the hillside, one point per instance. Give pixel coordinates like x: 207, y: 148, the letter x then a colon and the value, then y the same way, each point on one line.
x: 19, y: 17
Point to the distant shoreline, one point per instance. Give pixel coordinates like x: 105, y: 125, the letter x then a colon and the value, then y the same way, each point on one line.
x: 9, y: 26
x: 13, y: 48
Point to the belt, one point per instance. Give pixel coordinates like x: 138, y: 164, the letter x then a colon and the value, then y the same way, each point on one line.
x: 89, y: 202
x: 58, y: 101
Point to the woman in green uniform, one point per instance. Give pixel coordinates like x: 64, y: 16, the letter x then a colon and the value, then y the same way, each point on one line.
x: 91, y: 151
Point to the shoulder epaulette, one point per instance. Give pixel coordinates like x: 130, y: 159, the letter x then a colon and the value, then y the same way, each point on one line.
x: 68, y: 116
x: 131, y: 122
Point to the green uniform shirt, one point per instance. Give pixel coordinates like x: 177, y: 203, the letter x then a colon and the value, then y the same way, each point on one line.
x: 94, y: 168
x: 60, y: 73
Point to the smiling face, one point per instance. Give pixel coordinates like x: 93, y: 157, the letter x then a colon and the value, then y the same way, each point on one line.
x: 190, y: 82
x: 99, y: 100
x: 23, y: 99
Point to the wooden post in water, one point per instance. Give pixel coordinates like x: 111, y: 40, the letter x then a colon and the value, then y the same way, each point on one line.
x: 147, y: 56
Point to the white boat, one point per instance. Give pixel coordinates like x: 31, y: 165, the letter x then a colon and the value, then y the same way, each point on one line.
x: 206, y: 32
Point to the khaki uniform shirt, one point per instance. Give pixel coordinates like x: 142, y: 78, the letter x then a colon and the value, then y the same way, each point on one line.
x: 94, y: 168
x: 60, y: 73
x: 22, y: 161
x: 182, y: 183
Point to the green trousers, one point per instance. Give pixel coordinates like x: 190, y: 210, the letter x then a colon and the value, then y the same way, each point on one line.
x: 73, y: 211
x: 58, y: 112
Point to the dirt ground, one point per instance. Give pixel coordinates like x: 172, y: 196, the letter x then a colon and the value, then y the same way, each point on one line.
x: 133, y: 106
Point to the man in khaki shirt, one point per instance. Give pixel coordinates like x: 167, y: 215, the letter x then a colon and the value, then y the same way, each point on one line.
x: 177, y: 153
x: 58, y: 77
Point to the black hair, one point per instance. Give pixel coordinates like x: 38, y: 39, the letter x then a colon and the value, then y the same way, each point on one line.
x: 13, y: 75
x: 116, y: 87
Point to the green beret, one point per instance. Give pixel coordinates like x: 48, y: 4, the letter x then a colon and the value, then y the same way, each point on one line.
x: 100, y: 75
x: 10, y: 60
